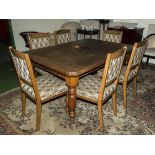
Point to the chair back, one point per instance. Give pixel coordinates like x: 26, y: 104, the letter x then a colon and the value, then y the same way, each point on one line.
x: 62, y: 36
x: 113, y: 66
x: 112, y: 36
x: 39, y: 40
x: 136, y: 58
x: 24, y: 72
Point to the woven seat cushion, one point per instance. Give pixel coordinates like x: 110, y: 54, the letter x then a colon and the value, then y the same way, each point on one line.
x: 100, y: 72
x: 89, y: 87
x: 48, y: 86
x: 132, y: 73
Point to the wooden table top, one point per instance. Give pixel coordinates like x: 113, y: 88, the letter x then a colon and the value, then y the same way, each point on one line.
x: 75, y: 58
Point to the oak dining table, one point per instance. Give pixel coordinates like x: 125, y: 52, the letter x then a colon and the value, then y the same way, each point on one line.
x: 73, y: 60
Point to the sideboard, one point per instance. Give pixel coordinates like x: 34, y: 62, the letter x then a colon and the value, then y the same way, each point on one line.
x: 130, y: 35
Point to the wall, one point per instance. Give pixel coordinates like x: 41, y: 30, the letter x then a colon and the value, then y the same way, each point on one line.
x: 41, y: 25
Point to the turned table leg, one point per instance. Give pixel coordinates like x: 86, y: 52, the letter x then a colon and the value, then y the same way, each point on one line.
x: 72, y: 82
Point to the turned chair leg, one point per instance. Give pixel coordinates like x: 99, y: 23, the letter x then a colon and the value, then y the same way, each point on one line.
x: 38, y: 115
x: 100, y: 117
x: 23, y: 104
x: 135, y: 86
x: 125, y: 95
x: 114, y: 103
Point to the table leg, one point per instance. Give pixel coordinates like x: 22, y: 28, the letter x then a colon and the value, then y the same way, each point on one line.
x: 72, y: 82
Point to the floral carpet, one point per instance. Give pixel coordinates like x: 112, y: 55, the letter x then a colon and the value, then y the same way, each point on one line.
x: 139, y: 119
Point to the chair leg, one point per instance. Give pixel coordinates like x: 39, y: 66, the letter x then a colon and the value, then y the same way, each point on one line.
x: 114, y: 103
x: 38, y: 115
x: 100, y: 117
x: 23, y: 104
x: 135, y: 87
x: 124, y: 95
x: 67, y: 106
x: 147, y: 60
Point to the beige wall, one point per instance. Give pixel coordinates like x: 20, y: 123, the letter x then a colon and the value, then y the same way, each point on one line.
x: 41, y: 25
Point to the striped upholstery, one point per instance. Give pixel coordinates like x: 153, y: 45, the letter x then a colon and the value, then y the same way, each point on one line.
x: 114, y: 68
x: 21, y: 68
x: 62, y: 36
x: 138, y: 55
x: 89, y: 88
x: 111, y: 36
x: 48, y: 86
x: 39, y: 40
x: 132, y: 73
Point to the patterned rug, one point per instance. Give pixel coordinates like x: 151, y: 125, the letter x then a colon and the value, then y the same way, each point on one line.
x: 139, y: 119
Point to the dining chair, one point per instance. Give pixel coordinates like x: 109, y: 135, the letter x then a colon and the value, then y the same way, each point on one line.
x: 97, y: 90
x: 129, y: 72
x: 112, y: 36
x: 38, y: 89
x: 39, y: 40
x: 62, y: 36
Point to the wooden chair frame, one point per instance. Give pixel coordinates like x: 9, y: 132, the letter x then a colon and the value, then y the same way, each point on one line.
x: 129, y: 68
x: 104, y: 84
x: 33, y: 84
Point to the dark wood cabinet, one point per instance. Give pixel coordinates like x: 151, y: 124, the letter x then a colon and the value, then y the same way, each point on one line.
x: 130, y: 36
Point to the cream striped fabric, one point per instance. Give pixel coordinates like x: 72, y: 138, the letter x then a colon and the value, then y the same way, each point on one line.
x: 132, y: 73
x: 48, y: 86
x: 89, y: 87
x: 112, y: 38
x: 63, y: 38
x: 39, y: 42
x: 21, y: 68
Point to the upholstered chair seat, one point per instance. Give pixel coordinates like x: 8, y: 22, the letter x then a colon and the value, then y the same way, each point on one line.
x: 89, y: 87
x: 48, y: 86
x: 100, y: 72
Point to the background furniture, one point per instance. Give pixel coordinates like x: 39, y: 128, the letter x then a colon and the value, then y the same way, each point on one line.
x: 150, y: 49
x: 112, y: 36
x: 62, y: 36
x: 130, y: 36
x: 72, y: 26
x: 39, y: 40
x: 25, y: 37
x: 88, y: 32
